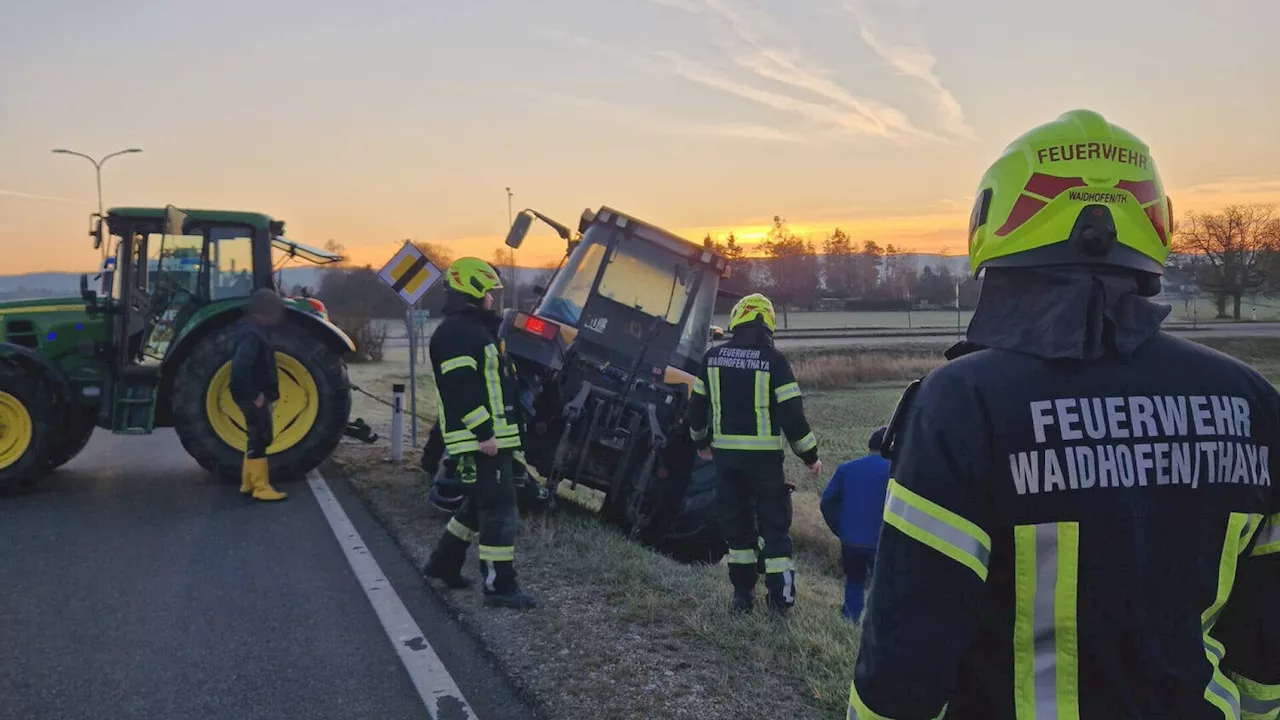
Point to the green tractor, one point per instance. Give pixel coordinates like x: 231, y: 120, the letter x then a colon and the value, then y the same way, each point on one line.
x: 154, y: 349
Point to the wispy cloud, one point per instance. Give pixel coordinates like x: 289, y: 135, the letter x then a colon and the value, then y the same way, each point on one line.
x: 650, y: 122
x: 31, y: 196
x: 888, y: 27
x: 751, y: 49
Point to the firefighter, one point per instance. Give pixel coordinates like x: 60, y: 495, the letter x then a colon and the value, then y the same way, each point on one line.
x: 748, y: 393
x: 475, y: 395
x: 1081, y: 522
x: 255, y: 387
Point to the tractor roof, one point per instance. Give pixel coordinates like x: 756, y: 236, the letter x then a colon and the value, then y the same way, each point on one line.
x: 607, y: 214
x: 256, y: 220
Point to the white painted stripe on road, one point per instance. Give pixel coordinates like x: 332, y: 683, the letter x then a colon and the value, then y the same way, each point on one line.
x: 443, y: 699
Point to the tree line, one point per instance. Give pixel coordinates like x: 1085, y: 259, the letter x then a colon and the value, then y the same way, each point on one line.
x: 845, y: 275
x: 1226, y: 254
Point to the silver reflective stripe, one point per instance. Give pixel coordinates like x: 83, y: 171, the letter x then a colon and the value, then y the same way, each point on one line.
x: 912, y: 516
x: 1218, y: 689
x: 1043, y: 623
x: 1257, y: 706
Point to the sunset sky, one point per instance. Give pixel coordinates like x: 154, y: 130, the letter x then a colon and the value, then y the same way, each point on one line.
x: 379, y: 120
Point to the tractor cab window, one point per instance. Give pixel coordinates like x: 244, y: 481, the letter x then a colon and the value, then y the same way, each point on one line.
x: 649, y: 278
x: 569, y: 290
x: 694, y: 338
x: 230, y: 262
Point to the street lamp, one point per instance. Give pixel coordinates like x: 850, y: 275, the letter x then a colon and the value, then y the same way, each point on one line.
x: 515, y: 286
x: 97, y: 166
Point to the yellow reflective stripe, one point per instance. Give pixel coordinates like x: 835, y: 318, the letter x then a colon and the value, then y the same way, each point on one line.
x: 458, y: 435
x: 497, y: 553
x: 493, y: 381
x: 460, y: 531
x: 476, y: 418
x: 805, y: 444
x: 742, y: 557
x: 461, y: 447
x: 507, y: 443
x: 458, y: 362
x: 1221, y: 692
x: 780, y: 564
x: 786, y: 392
x: 713, y: 383
x: 1268, y: 536
x: 697, y: 434
x: 763, y: 425
x: 502, y: 428
x: 1257, y: 701
x: 746, y: 442
x: 1046, y: 673
x: 699, y: 387
x: 937, y: 527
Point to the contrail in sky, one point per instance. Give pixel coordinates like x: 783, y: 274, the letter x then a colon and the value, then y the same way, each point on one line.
x: 30, y: 196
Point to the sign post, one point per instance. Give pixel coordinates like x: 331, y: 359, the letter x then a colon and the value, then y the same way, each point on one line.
x: 410, y: 274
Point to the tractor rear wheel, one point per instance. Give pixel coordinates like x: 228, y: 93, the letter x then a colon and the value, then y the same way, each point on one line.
x: 27, y: 427
x: 79, y: 426
x: 308, y: 419
x: 694, y: 536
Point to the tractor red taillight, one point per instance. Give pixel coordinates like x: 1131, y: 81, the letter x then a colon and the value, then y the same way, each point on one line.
x: 537, y: 326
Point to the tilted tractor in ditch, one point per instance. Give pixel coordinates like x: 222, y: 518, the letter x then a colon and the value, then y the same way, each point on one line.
x: 605, y: 365
x: 154, y: 350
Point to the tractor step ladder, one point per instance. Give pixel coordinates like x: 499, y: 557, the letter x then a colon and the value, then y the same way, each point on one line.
x: 133, y: 407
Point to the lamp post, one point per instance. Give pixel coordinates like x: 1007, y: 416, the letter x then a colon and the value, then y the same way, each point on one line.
x: 515, y: 286
x: 97, y: 166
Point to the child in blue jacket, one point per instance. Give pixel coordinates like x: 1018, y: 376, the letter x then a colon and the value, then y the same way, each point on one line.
x: 853, y: 506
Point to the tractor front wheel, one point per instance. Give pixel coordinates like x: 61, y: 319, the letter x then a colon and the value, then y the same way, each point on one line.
x: 79, y: 428
x: 308, y: 419
x: 26, y: 427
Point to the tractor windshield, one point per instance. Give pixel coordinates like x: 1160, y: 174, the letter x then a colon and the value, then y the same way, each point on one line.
x: 639, y: 274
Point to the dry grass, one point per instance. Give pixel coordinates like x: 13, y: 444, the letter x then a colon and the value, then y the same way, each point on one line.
x: 626, y: 633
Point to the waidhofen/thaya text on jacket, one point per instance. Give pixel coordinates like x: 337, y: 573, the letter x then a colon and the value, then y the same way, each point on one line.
x: 1168, y: 440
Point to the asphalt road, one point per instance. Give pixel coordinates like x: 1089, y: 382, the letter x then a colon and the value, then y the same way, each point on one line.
x: 134, y: 586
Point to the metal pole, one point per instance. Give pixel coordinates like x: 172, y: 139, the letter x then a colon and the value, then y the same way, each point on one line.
x: 515, y: 286
x: 413, y: 379
x: 958, y: 309
x: 397, y: 423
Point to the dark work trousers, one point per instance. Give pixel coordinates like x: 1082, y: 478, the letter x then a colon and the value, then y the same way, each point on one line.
x: 858, y: 564
x: 753, y: 502
x: 257, y: 426
x: 489, y: 511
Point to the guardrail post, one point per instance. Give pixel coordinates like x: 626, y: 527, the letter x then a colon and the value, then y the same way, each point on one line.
x: 397, y: 423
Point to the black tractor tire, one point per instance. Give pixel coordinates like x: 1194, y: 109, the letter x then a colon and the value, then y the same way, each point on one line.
x: 38, y: 399
x: 191, y: 418
x: 694, y: 536
x: 79, y: 426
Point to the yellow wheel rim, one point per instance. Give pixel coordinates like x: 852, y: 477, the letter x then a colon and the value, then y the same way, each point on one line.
x: 293, y: 417
x: 15, y: 430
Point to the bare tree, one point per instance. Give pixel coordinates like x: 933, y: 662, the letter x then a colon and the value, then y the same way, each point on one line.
x: 1236, y: 248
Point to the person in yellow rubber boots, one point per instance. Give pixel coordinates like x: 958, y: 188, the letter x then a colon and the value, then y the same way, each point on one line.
x: 254, y: 387
x: 1080, y: 522
x: 745, y: 400
x: 479, y: 426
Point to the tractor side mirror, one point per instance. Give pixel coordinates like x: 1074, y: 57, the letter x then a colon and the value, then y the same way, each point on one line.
x: 175, y: 221
x: 90, y: 297
x: 95, y: 230
x: 519, y: 229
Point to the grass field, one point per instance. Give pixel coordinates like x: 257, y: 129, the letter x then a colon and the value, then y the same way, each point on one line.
x: 1261, y: 309
x: 624, y: 632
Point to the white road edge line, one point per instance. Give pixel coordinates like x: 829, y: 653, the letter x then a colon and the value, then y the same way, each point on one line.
x: 433, y: 681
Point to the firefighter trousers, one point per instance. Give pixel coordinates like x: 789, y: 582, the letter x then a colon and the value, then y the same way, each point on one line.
x: 258, y: 429
x: 489, y: 513
x: 754, y: 509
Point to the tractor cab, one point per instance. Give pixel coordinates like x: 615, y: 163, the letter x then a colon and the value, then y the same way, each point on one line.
x: 166, y: 271
x: 607, y: 360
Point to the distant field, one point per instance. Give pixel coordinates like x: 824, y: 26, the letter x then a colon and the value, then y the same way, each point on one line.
x: 1201, y: 310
